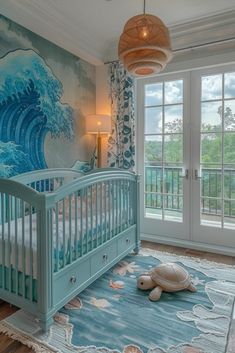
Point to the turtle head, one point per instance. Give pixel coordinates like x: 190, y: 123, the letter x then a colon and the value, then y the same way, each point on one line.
x: 145, y: 282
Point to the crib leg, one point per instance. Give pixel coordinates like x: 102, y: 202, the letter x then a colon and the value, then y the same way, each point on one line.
x: 45, y: 324
x: 137, y: 248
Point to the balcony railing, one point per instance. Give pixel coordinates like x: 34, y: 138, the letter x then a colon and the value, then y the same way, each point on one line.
x: 164, y: 188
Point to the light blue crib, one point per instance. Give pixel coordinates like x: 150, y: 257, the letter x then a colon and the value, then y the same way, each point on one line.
x: 60, y: 230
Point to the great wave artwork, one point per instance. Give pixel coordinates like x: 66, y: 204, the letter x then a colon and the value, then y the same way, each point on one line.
x: 30, y: 108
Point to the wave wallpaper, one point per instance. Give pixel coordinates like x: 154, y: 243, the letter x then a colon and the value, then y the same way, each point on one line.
x: 45, y: 92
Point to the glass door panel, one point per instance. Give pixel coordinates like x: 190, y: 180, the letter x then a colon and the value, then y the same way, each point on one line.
x: 217, y: 150
x: 164, y: 150
x: 161, y: 128
x: 214, y: 158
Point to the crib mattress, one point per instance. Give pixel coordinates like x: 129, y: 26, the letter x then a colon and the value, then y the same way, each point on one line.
x: 64, y: 240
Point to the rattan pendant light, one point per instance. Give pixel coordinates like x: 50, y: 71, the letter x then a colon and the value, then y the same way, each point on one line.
x: 144, y: 46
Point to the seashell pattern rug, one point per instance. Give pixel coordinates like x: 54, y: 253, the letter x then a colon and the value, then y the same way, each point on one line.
x: 113, y: 316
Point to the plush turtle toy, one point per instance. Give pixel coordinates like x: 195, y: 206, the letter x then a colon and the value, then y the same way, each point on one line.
x: 167, y: 277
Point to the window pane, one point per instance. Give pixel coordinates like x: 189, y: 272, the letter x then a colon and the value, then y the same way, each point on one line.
x: 153, y: 179
x: 173, y: 148
x: 153, y: 120
x: 173, y: 206
x: 153, y: 205
x: 211, y: 148
x: 229, y: 115
x: 211, y: 87
x: 211, y: 212
x: 229, y: 147
x: 174, y: 92
x: 211, y: 116
x: 229, y: 212
x: 211, y: 182
x: 153, y: 150
x: 153, y: 94
x: 173, y: 119
x: 173, y: 180
x: 229, y: 183
x: 229, y: 85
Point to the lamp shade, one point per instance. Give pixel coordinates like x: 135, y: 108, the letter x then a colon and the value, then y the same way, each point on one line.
x: 144, y: 46
x: 98, y: 124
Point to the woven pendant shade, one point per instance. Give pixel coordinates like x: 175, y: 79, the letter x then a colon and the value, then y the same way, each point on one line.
x: 144, y: 46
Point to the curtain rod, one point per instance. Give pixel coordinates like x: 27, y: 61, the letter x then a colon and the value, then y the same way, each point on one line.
x: 189, y: 48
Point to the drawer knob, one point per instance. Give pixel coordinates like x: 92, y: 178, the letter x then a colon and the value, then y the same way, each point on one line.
x: 105, y: 257
x: 73, y: 280
x: 128, y: 241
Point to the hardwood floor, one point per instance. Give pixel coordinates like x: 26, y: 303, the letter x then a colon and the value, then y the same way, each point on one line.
x: 7, y: 345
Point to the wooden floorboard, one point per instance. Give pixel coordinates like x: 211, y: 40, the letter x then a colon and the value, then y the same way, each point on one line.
x: 7, y: 345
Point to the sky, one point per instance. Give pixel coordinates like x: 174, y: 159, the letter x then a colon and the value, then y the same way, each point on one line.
x: 211, y: 89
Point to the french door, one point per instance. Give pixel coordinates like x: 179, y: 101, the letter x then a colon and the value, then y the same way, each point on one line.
x: 213, y: 156
x: 186, y: 155
x: 163, y: 113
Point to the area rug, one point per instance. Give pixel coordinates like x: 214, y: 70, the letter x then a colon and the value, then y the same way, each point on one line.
x: 113, y: 316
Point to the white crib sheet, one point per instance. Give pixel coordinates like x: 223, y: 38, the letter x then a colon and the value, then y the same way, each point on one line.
x: 12, y: 245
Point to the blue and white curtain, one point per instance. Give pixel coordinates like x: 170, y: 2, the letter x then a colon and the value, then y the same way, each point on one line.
x: 121, y: 144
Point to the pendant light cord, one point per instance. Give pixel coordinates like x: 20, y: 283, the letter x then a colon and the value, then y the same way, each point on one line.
x: 144, y: 7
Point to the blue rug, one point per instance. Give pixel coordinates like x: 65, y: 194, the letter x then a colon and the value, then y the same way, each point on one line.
x: 113, y: 315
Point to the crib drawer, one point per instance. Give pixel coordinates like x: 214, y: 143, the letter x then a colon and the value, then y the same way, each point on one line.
x: 126, y: 241
x: 103, y: 257
x: 67, y: 282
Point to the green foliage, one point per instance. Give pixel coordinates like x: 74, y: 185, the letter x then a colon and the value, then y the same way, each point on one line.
x: 211, y: 144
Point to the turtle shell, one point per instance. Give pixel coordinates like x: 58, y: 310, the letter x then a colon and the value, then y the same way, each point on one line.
x: 171, y: 277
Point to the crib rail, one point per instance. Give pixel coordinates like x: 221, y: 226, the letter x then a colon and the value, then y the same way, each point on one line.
x: 18, y: 240
x: 95, y: 209
x: 47, y: 180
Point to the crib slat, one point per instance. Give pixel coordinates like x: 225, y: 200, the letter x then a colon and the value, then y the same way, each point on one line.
x: 81, y: 222
x: 125, y: 204
x: 92, y: 221
x: 117, y: 204
x: 23, y: 247
x: 96, y: 215
x: 110, y: 205
x: 16, y: 248
x: 113, y: 207
x: 3, y: 238
x: 105, y: 211
x: 121, y: 204
x: 9, y: 199
x: 129, y: 206
x: 57, y: 235
x: 87, y: 227
x: 63, y: 220
x: 30, y: 254
x: 101, y: 214
x: 70, y: 230
x: 76, y: 224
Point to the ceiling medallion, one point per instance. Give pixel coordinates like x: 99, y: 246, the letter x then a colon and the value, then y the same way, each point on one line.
x: 144, y: 46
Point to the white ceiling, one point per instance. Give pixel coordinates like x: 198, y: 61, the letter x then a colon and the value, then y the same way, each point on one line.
x: 89, y: 28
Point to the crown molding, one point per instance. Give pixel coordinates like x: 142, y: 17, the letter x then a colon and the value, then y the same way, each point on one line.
x: 53, y: 28
x: 51, y: 24
x: 204, y: 30
x: 200, y: 31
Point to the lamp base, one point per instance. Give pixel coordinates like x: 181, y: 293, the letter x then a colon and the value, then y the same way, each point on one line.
x: 99, y: 151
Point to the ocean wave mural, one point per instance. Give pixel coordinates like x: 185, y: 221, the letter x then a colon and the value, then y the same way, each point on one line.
x: 30, y: 108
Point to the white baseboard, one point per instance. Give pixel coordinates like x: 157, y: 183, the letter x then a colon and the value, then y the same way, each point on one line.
x: 189, y: 244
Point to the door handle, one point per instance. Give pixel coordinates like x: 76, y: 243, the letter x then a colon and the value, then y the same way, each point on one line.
x: 185, y: 175
x: 196, y: 175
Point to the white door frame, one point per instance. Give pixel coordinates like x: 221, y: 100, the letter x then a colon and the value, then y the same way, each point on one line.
x: 203, y: 233
x: 152, y: 226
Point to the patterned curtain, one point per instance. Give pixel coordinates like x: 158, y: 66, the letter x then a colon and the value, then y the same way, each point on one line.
x: 121, y: 144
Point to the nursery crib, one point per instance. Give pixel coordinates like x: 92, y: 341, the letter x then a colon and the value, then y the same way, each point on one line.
x: 60, y: 230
